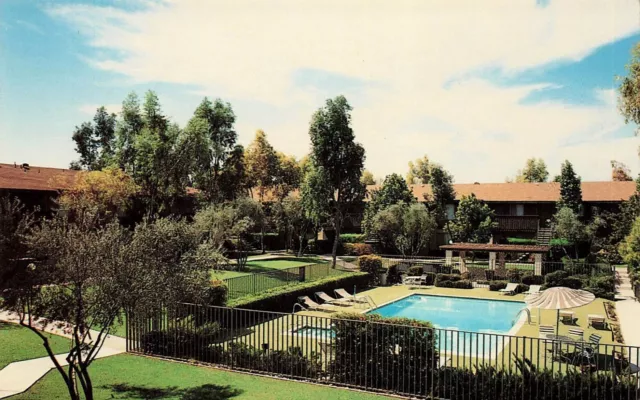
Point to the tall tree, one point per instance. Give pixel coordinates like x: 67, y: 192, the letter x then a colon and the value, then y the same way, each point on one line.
x: 442, y: 193
x: 535, y: 170
x: 620, y: 172
x: 419, y: 171
x: 127, y: 130
x: 394, y: 190
x: 290, y: 218
x: 212, y: 139
x: 288, y: 176
x: 337, y: 162
x: 570, y: 189
x: 567, y: 226
x: 261, y: 164
x: 95, y: 142
x: 474, y: 221
x: 629, y: 90
x: 367, y: 178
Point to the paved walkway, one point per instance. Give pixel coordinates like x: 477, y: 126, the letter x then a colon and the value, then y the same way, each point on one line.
x: 628, y: 310
x: 19, y: 376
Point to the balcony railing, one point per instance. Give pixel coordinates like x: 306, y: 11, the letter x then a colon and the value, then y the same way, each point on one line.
x: 518, y: 223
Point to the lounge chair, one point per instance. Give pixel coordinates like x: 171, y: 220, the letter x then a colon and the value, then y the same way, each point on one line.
x: 330, y: 300
x: 348, y: 296
x: 533, y: 289
x: 313, y: 306
x: 567, y: 316
x: 414, y: 280
x: 510, y: 289
x: 596, y: 319
x: 546, y: 330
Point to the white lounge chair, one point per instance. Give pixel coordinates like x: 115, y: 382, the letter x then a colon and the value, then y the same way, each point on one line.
x: 414, y: 280
x: 510, y: 289
x: 577, y: 334
x: 313, y: 306
x: 567, y: 316
x: 546, y: 330
x: 533, y: 289
x: 348, y: 296
x: 596, y: 319
x: 330, y: 300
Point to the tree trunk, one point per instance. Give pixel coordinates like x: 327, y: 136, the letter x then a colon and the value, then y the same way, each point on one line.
x: 262, y: 238
x: 300, y: 248
x: 337, y: 225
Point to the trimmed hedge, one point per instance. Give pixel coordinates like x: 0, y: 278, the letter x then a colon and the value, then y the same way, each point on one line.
x: 217, y: 293
x: 352, y: 238
x: 496, y: 286
x: 283, y: 298
x: 461, y: 284
x: 357, y: 249
x: 415, y: 270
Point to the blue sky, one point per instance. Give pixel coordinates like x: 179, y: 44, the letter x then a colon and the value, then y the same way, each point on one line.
x: 476, y: 90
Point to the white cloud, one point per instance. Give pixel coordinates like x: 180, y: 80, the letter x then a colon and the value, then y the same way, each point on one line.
x: 30, y: 26
x: 90, y: 109
x: 410, y: 49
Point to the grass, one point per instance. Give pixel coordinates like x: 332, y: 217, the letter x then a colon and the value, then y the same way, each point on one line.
x: 18, y: 343
x: 266, y: 265
x: 133, y: 377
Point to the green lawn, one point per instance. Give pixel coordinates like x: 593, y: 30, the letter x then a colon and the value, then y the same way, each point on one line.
x: 267, y: 265
x: 132, y: 377
x: 18, y: 343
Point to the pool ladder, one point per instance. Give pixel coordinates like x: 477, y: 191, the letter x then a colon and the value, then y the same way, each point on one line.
x: 369, y: 302
x: 528, y: 315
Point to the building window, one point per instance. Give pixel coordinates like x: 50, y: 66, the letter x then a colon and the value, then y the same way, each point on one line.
x: 451, y: 212
x: 519, y: 210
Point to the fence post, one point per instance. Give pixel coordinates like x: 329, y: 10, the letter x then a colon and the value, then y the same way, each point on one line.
x: 448, y: 257
x: 301, y: 273
x: 538, y: 264
x: 492, y: 260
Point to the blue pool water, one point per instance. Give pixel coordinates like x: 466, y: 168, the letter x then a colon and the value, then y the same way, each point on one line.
x: 310, y: 331
x: 457, y: 313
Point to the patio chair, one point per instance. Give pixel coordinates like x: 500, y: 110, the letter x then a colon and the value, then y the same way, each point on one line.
x: 510, y: 289
x: 596, y: 319
x: 533, y: 289
x: 330, y: 300
x: 546, y: 330
x: 313, y: 306
x: 348, y: 296
x: 567, y: 317
x: 586, y: 352
x: 577, y: 334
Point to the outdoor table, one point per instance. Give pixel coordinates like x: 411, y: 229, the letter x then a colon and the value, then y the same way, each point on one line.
x: 558, y: 340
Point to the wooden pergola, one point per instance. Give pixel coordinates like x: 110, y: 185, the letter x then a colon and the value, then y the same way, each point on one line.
x: 496, y: 253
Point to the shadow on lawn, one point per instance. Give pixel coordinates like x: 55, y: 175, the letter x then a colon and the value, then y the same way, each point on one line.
x: 204, y: 392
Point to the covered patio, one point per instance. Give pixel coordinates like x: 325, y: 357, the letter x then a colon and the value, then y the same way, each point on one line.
x: 497, y: 253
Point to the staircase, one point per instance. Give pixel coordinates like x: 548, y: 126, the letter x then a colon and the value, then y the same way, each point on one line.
x: 544, y: 236
x: 624, y: 290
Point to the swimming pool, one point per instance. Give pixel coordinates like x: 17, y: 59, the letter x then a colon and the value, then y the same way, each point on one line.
x: 315, y: 332
x: 473, y: 325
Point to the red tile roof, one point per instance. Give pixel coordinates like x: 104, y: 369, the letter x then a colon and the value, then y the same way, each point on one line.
x: 35, y: 178
x: 533, y: 192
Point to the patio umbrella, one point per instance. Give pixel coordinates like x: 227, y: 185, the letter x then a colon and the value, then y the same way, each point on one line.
x: 559, y: 298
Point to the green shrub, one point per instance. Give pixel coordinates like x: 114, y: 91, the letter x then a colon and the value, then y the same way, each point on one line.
x: 217, y: 293
x: 455, y: 284
x: 416, y: 270
x: 283, y: 298
x: 430, y: 278
x: 372, y: 265
x: 410, y: 352
x: 533, y: 280
x: 512, y: 240
x: 393, y: 275
x: 555, y: 278
x: 446, y: 278
x: 495, y: 286
x: 357, y: 249
x: 352, y: 238
x: 573, y: 282
x: 602, y: 286
x: 289, y: 362
x: 514, y: 275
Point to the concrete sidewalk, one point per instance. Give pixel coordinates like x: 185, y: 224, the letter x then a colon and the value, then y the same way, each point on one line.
x: 18, y: 377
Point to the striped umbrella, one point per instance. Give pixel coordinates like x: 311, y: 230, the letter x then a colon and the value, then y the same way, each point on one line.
x: 559, y: 298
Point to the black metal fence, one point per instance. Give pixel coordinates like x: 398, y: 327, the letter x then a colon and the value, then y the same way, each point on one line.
x: 260, y: 281
x: 403, y: 359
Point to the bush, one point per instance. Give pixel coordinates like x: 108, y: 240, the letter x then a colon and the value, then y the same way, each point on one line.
x: 411, y: 352
x: 372, y: 265
x: 181, y: 340
x: 352, y: 238
x: 217, y: 293
x: 417, y: 270
x: 448, y: 277
x: 572, y: 282
x: 495, y: 286
x: 357, y: 249
x: 514, y: 275
x: 555, y: 278
x: 533, y: 280
x: 289, y: 362
x: 602, y: 286
x: 452, y: 281
x: 430, y: 278
x: 393, y: 275
x: 283, y: 298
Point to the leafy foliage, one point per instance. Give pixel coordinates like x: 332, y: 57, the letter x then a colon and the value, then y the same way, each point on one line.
x: 291, y: 218
x: 419, y: 171
x: 630, y: 248
x: 629, y: 89
x: 406, y: 227
x: 261, y: 163
x: 473, y: 222
x: 394, y: 190
x: 95, y: 142
x: 570, y: 189
x: 15, y: 223
x: 620, y: 172
x: 535, y: 170
x: 367, y: 178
